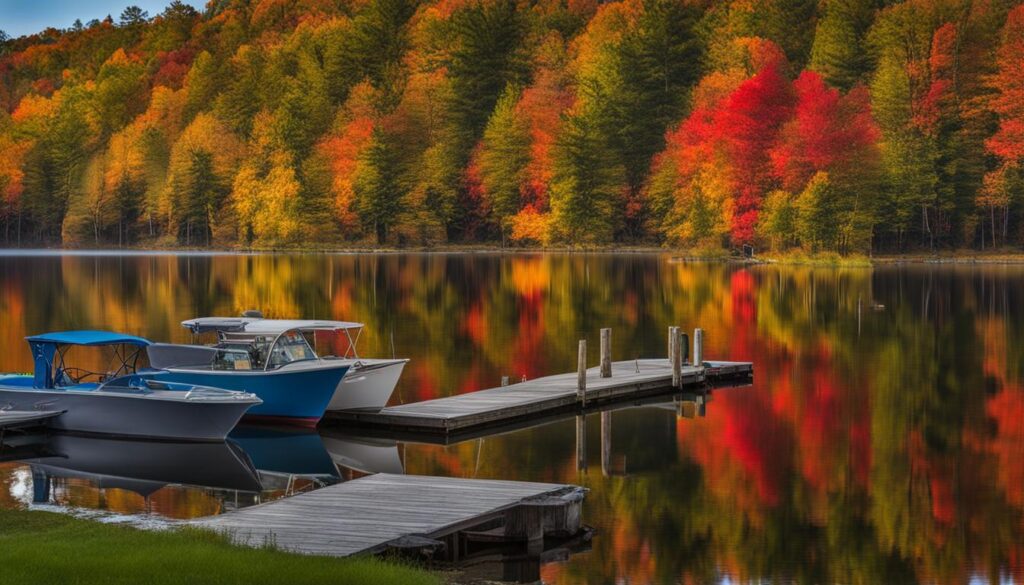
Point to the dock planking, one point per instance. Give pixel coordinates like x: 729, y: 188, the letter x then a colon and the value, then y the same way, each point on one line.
x: 371, y: 514
x: 549, y: 394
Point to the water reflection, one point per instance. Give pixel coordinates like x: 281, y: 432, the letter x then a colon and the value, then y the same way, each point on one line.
x: 182, y: 480
x: 882, y: 440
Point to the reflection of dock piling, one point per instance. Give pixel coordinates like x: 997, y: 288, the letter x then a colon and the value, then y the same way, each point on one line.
x: 606, y: 443
x: 581, y: 441
x: 607, y: 383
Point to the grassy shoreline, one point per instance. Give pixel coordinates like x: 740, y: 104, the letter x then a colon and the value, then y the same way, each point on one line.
x: 49, y: 547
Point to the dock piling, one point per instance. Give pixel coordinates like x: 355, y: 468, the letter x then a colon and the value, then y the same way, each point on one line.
x: 606, y: 353
x: 672, y: 338
x: 504, y: 380
x: 581, y: 373
x: 698, y: 347
x: 676, y: 358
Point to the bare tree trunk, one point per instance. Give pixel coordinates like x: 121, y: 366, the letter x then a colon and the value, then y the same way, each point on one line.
x: 993, y: 214
x: 1006, y: 222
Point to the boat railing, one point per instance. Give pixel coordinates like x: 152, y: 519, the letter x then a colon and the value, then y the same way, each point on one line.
x: 209, y: 392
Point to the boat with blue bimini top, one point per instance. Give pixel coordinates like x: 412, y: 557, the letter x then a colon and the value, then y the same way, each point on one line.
x: 268, y: 357
x: 122, y: 398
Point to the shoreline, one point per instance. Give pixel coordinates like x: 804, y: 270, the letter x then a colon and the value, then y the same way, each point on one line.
x: 675, y: 254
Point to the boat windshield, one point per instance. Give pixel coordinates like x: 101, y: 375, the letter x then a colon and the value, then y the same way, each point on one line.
x: 289, y: 347
x: 74, y: 365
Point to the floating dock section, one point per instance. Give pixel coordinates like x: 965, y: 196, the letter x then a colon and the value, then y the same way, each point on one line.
x: 544, y: 396
x: 436, y: 516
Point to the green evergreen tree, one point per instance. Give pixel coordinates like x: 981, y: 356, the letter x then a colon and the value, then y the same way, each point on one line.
x: 203, y: 84
x: 504, y: 155
x: 128, y: 200
x: 201, y: 197
x: 839, y: 52
x: 486, y: 56
x: 54, y: 168
x: 133, y: 16
x: 380, y: 187
x: 305, y: 112
x: 778, y: 221
x: 815, y: 214
x: 371, y: 48
x: 587, y: 185
x: 658, y: 63
x: 239, y: 101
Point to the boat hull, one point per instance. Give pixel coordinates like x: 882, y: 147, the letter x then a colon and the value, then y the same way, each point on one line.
x: 128, y: 415
x: 298, y: 393
x: 368, y: 385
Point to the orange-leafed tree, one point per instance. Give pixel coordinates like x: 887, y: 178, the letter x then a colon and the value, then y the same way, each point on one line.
x: 1004, y: 184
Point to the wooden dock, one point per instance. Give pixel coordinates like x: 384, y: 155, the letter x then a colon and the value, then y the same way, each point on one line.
x: 382, y: 512
x: 543, y: 396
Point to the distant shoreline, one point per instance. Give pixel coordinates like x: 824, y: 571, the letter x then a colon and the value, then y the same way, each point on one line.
x: 675, y: 255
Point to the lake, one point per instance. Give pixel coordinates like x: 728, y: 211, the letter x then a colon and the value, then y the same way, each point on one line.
x: 882, y: 440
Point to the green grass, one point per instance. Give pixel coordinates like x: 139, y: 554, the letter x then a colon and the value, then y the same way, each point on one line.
x: 45, y: 547
x: 829, y: 259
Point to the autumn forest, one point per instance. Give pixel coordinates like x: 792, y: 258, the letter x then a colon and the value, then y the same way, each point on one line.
x: 847, y: 126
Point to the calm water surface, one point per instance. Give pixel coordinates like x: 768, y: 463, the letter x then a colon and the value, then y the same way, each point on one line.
x: 881, y: 442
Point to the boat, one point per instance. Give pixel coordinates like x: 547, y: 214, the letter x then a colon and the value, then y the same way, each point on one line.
x: 123, y: 400
x: 271, y: 359
x: 366, y: 385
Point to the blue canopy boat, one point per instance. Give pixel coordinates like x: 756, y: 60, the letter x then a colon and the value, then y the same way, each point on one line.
x: 279, y: 366
x: 122, y: 400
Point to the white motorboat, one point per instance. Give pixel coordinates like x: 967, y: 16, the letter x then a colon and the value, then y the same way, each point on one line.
x: 368, y: 383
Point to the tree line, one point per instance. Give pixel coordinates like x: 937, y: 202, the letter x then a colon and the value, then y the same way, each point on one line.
x: 840, y: 125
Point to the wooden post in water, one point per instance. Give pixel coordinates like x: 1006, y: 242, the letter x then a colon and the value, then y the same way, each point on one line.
x: 673, y: 336
x: 581, y: 373
x: 698, y: 347
x: 606, y: 353
x: 504, y: 380
x: 677, y: 359
x: 606, y: 443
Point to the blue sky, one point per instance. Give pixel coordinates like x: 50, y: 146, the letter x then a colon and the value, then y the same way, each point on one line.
x: 22, y: 17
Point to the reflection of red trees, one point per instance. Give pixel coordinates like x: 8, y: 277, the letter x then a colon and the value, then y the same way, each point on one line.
x: 744, y: 315
x: 426, y: 381
x: 759, y: 440
x: 1006, y: 409
x: 473, y: 380
x: 744, y: 447
x: 528, y: 349
x: 819, y: 432
x: 475, y: 325
x: 530, y: 278
x: 936, y: 471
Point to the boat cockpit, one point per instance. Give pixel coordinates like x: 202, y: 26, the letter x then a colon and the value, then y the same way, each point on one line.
x: 251, y: 343
x: 50, y: 353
